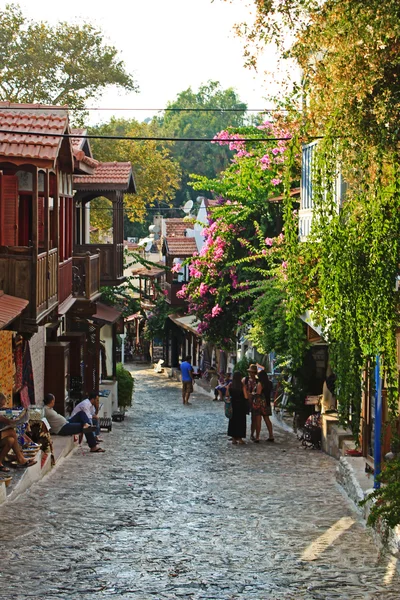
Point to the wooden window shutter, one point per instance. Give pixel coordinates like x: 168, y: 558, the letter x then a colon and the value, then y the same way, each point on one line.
x: 41, y: 220
x: 8, y: 210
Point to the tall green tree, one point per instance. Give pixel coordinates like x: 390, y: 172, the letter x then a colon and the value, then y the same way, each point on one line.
x: 157, y: 174
x: 199, y: 157
x: 62, y: 64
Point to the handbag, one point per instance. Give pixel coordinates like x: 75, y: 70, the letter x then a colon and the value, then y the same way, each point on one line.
x: 228, y: 409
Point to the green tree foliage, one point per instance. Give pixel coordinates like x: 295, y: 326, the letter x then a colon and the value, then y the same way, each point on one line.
x: 199, y: 157
x: 101, y: 218
x: 62, y: 64
x: 385, y: 511
x: 156, y: 173
x: 157, y: 318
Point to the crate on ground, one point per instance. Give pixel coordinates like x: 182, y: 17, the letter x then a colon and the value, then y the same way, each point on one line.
x: 105, y: 423
x: 118, y: 415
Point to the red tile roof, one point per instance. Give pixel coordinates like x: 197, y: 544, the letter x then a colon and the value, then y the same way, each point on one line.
x: 106, y: 313
x: 108, y: 175
x: 43, y: 121
x: 81, y: 157
x: 293, y: 192
x: 131, y: 245
x: 210, y: 203
x: 176, y: 227
x: 151, y: 272
x: 10, y: 308
x: 77, y: 143
x: 181, y: 247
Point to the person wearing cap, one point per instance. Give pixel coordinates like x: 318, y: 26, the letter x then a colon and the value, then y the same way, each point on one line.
x: 250, y: 382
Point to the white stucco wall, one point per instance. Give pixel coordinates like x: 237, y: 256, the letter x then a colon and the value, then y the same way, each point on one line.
x: 106, y: 338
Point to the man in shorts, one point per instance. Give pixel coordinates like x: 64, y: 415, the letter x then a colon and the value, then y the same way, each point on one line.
x: 187, y: 380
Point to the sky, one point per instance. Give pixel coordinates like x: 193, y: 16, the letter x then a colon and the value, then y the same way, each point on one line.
x: 168, y: 46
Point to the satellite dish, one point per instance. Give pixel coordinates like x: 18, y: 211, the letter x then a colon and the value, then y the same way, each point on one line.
x: 188, y: 206
x: 157, y: 228
x: 152, y: 228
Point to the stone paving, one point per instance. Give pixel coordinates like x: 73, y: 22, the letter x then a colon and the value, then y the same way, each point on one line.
x: 172, y: 510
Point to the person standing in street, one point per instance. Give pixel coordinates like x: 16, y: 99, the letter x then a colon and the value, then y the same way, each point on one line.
x: 237, y: 394
x: 250, y: 383
x: 187, y: 380
x: 264, y: 389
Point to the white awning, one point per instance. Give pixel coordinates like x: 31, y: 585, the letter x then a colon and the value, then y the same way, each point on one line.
x: 307, y: 318
x: 189, y: 322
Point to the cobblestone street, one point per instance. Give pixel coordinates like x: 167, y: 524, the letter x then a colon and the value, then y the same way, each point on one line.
x: 172, y: 510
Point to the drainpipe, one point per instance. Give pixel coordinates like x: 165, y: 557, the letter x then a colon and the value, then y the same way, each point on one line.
x: 378, y: 424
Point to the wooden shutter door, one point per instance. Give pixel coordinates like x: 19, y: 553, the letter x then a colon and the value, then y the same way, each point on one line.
x: 8, y: 210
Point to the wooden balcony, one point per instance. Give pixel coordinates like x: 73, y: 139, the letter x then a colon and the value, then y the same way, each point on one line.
x: 65, y: 280
x: 111, y: 261
x: 36, y: 281
x: 172, y: 289
x: 86, y: 275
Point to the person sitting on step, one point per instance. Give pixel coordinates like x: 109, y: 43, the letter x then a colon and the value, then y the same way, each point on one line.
x: 220, y: 389
x: 76, y: 424
x: 9, y: 441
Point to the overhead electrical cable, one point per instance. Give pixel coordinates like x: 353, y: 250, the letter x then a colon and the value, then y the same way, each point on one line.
x: 131, y: 109
x: 148, y: 139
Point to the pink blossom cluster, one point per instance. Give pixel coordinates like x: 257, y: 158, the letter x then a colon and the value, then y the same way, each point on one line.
x: 233, y: 140
x: 194, y: 272
x: 203, y: 289
x: 202, y: 327
x: 216, y: 310
x: 176, y: 268
x: 182, y: 292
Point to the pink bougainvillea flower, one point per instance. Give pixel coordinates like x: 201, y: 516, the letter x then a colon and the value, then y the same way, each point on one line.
x: 203, y: 289
x: 276, y: 181
x: 216, y: 310
x: 284, y: 265
x: 176, y: 268
x: 269, y: 241
x: 182, y: 292
x: 218, y: 254
x: 202, y: 327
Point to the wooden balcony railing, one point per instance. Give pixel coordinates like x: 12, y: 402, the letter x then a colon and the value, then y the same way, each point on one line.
x: 172, y: 289
x: 47, y: 280
x: 111, y: 261
x: 64, y: 280
x: 18, y: 278
x: 86, y: 275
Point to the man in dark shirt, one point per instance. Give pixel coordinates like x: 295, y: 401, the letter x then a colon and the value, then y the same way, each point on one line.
x: 187, y: 380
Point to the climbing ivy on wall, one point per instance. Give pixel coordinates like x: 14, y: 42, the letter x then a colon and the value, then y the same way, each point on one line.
x: 345, y: 272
